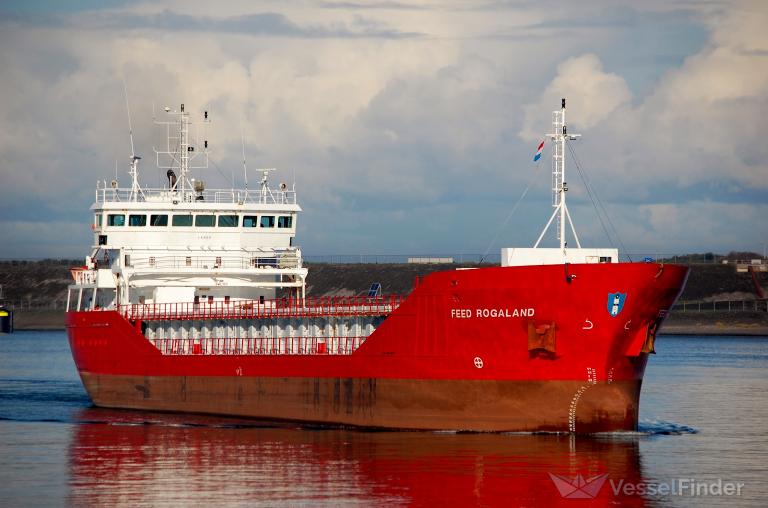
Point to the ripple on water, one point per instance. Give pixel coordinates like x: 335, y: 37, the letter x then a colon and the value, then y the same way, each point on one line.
x: 665, y: 428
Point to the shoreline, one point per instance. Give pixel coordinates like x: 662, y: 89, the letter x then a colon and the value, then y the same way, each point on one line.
x: 743, y: 323
x: 714, y: 331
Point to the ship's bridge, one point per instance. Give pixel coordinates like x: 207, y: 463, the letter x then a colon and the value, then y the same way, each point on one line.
x: 211, y: 220
x: 160, y: 245
x: 184, y: 242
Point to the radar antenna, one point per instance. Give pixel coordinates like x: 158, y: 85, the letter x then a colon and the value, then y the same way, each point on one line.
x: 264, y: 183
x: 559, y: 136
x: 182, y: 154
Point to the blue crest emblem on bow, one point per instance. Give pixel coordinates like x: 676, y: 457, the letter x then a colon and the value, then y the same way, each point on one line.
x: 616, y: 303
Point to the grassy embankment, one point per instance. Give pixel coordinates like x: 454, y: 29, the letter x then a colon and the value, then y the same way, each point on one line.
x: 40, y: 286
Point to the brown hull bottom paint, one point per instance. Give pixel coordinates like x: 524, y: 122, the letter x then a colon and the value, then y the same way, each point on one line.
x: 417, y: 404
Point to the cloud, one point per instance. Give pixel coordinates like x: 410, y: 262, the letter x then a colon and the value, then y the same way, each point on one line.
x: 407, y: 129
x: 595, y: 95
x: 41, y: 239
x: 670, y: 223
x: 375, y: 5
x: 698, y: 130
x: 269, y: 24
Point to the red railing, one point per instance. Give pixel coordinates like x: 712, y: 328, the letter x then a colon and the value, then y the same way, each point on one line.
x: 259, y: 346
x: 255, y: 309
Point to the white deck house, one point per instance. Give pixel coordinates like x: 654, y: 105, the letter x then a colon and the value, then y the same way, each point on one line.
x: 185, y: 243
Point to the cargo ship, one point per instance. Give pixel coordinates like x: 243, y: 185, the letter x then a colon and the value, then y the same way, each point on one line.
x: 194, y: 300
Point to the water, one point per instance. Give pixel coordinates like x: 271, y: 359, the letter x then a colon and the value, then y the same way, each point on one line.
x: 704, y: 420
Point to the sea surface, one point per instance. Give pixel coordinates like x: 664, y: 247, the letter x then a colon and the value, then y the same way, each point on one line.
x: 704, y: 432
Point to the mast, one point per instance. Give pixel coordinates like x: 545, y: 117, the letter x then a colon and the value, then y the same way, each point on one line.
x: 134, y: 171
x: 184, y: 151
x: 182, y: 155
x: 559, y: 136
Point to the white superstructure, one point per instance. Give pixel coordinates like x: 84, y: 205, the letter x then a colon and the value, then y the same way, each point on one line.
x: 186, y: 243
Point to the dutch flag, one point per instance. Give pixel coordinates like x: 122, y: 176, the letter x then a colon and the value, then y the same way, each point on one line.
x: 538, y: 152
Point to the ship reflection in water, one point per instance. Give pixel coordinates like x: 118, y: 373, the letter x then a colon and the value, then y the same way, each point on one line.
x: 118, y: 457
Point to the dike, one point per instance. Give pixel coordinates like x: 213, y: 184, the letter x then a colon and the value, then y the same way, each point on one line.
x: 39, y: 288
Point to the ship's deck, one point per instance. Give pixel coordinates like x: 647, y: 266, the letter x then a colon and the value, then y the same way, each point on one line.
x: 272, y: 327
x: 267, y: 309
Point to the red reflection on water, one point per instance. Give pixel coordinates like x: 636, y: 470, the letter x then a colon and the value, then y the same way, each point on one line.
x: 129, y: 458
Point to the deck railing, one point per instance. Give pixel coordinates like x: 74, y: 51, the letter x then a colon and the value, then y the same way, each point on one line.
x: 255, y: 309
x: 259, y: 345
x: 107, y: 194
x: 82, y: 276
x: 721, y: 306
x: 278, y: 259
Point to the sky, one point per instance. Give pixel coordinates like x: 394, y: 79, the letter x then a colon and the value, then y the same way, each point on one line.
x: 407, y: 127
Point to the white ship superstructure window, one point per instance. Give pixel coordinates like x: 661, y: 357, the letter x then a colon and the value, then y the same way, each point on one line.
x: 115, y: 219
x: 97, y: 220
x: 158, y: 220
x: 250, y: 221
x: 267, y: 221
x: 137, y: 220
x: 205, y: 221
x: 182, y: 220
x: 284, y: 221
x: 228, y: 221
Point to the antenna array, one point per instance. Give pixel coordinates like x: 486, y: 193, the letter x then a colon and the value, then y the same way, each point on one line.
x: 183, y: 155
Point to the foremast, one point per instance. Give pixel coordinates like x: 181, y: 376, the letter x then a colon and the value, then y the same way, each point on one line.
x: 563, y: 254
x: 559, y: 136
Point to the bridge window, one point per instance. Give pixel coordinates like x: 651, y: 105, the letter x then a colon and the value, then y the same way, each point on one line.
x: 267, y: 221
x: 182, y: 220
x: 97, y: 218
x: 159, y: 220
x: 284, y: 221
x: 250, y: 221
x: 228, y: 221
x: 115, y: 219
x: 205, y: 221
x: 137, y: 220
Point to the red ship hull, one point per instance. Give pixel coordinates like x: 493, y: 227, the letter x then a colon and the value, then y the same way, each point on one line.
x: 535, y: 348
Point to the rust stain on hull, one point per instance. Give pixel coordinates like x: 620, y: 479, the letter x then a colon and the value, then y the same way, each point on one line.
x: 418, y: 404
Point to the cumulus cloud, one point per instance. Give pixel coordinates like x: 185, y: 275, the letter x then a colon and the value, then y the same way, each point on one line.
x: 690, y: 153
x: 595, y: 95
x: 261, y: 24
x: 408, y: 126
